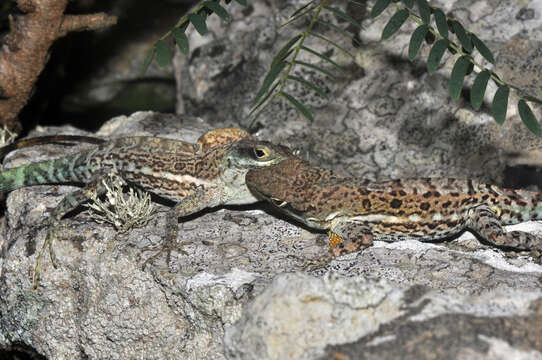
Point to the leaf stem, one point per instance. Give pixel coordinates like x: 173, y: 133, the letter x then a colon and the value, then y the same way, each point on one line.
x: 298, y: 47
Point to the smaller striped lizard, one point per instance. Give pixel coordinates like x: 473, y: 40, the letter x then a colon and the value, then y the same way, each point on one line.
x: 195, y: 176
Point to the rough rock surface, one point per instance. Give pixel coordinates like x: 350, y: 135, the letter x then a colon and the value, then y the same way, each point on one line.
x: 239, y: 293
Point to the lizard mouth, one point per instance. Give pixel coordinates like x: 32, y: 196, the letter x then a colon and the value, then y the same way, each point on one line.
x: 273, y: 200
x: 278, y: 202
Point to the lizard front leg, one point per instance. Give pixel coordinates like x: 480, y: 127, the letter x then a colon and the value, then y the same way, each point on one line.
x: 484, y: 221
x: 189, y: 205
x: 68, y: 203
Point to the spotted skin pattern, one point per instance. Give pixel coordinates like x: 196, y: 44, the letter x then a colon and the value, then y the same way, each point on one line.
x: 195, y: 176
x: 356, y: 211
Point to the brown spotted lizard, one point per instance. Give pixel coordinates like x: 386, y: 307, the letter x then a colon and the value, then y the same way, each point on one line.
x: 355, y: 211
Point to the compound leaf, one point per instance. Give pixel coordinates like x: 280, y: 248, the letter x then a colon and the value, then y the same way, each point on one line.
x: 500, y: 104
x: 396, y: 21
x: 162, y: 53
x: 442, y: 24
x: 309, y: 84
x: 380, y: 6
x: 217, y: 9
x: 528, y: 118
x: 416, y: 41
x: 147, y: 61
x: 435, y: 55
x: 458, y: 75
x: 199, y: 23
x: 273, y: 73
x: 343, y: 15
x: 181, y: 40
x: 483, y: 49
x: 285, y: 50
x: 425, y: 11
x: 478, y: 89
x: 461, y: 34
x: 299, y: 106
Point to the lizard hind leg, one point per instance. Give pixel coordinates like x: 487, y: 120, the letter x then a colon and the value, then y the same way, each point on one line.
x: 485, y: 223
x: 67, y: 204
x: 347, y: 236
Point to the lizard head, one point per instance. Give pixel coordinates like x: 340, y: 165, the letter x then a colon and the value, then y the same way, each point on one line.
x: 249, y: 154
x: 241, y: 156
x: 279, y: 183
x: 292, y: 184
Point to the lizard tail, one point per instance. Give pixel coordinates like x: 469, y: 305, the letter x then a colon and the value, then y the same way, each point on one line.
x: 513, y: 206
x: 67, y: 169
x: 53, y: 139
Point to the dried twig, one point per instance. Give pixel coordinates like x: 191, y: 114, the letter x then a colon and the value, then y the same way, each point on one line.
x: 24, y: 52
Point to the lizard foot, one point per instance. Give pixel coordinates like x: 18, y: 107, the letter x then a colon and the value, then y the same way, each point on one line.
x: 48, y: 243
x: 161, y: 248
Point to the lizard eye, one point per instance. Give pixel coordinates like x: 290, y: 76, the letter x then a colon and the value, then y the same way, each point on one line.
x: 261, y: 152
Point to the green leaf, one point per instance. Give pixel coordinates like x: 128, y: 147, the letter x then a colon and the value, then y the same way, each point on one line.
x: 533, y: 99
x: 343, y: 15
x: 500, y: 104
x: 528, y: 118
x: 458, y: 75
x: 396, y: 21
x: 442, y: 24
x: 478, y: 89
x: 181, y: 40
x: 300, y: 107
x: 323, y: 57
x: 416, y: 41
x: 435, y: 55
x: 162, y: 53
x: 301, y: 9
x: 269, y: 79
x: 199, y: 23
x: 380, y: 6
x: 337, y: 28
x: 461, y: 34
x: 483, y: 49
x: 264, y: 99
x: 317, y: 68
x: 425, y: 11
x: 332, y: 43
x: 409, y: 3
x: 285, y: 49
x: 217, y: 9
x: 147, y: 61
x: 308, y: 84
x: 242, y: 2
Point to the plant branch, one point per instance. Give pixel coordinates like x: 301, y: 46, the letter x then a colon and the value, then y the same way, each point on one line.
x: 25, y: 50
